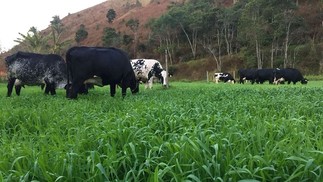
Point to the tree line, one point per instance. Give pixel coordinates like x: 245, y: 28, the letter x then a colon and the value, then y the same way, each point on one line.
x: 262, y: 33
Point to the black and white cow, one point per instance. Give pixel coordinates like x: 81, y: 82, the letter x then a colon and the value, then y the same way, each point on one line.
x: 146, y: 69
x: 247, y: 74
x: 289, y: 75
x: 224, y: 77
x: 24, y: 68
x: 112, y: 65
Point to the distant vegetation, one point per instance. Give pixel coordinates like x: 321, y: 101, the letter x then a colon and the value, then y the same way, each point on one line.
x: 81, y: 34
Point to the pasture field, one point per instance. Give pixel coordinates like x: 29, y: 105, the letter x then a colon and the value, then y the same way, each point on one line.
x: 194, y: 131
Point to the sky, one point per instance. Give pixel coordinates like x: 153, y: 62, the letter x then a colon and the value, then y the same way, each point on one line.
x: 18, y: 16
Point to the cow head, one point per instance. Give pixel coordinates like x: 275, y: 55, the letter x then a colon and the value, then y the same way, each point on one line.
x: 304, y: 81
x: 135, y: 87
x: 132, y: 82
x: 216, y: 77
x: 156, y: 71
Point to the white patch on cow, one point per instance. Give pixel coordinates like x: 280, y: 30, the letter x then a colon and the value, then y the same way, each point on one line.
x: 15, y: 68
x: 95, y: 81
x: 18, y: 82
x: 277, y: 81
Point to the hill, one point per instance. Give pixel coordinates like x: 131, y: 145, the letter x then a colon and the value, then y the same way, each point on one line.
x: 94, y: 19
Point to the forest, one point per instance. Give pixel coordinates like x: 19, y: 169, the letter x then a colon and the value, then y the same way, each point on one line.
x: 251, y: 33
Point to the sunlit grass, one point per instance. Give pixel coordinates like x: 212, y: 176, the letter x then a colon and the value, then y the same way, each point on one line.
x: 192, y: 131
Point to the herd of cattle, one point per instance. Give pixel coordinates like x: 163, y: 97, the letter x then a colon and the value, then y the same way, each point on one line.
x: 273, y: 76
x: 88, y: 66
x: 84, y: 67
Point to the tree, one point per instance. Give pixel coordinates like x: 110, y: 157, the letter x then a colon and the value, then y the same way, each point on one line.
x: 284, y: 24
x: 213, y: 36
x: 111, y: 15
x: 133, y: 24
x: 190, y: 18
x: 57, y: 31
x: 33, y: 41
x: 110, y: 37
x: 253, y: 28
x: 312, y: 32
x: 165, y: 31
x: 81, y: 34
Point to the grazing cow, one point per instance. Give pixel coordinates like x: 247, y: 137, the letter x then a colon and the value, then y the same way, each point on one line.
x: 289, y: 75
x: 146, y: 69
x: 247, y: 74
x: 224, y: 77
x: 263, y: 75
x: 112, y: 65
x: 25, y: 68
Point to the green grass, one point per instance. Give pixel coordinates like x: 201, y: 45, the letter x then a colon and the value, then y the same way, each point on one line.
x: 190, y: 132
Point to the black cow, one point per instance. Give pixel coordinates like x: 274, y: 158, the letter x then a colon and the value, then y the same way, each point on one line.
x: 224, y: 77
x: 263, y: 75
x: 247, y: 74
x: 112, y: 65
x: 289, y: 75
x: 25, y: 68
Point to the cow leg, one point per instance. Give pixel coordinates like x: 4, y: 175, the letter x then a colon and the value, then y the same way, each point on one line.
x: 150, y: 82
x: 71, y: 91
x: 123, y: 89
x: 47, y: 89
x: 75, y: 89
x: 112, y: 89
x: 271, y: 81
x: 47, y: 86
x: 10, y: 85
x: 241, y: 81
x: 52, y: 89
x: 83, y: 89
x: 136, y: 90
x: 18, y: 88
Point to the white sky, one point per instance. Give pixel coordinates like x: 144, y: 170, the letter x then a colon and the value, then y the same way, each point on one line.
x: 19, y: 15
